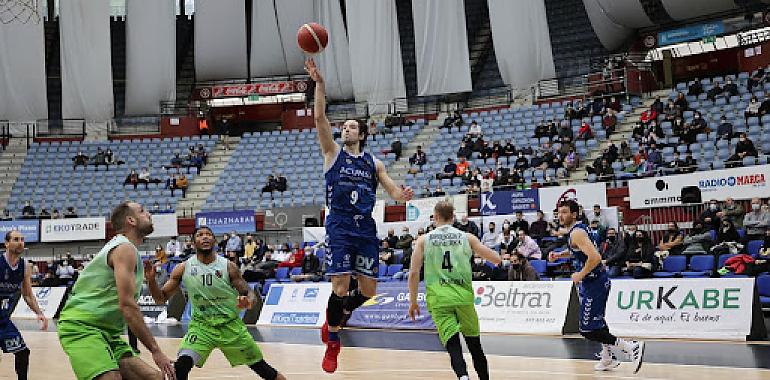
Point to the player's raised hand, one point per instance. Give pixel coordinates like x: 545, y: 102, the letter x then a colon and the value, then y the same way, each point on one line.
x: 149, y: 269
x: 553, y: 256
x: 414, y: 311
x: 43, y: 321
x: 406, y: 193
x: 313, y: 71
x: 164, y: 364
x: 244, y: 302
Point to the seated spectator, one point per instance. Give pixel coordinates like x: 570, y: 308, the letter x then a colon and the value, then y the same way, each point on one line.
x: 757, y: 78
x: 764, y: 252
x: 752, y: 110
x: 396, y: 148
x: 258, y: 270
x: 585, y: 133
x: 406, y: 261
x: 467, y: 225
x: 56, y: 214
x: 613, y: 251
x: 132, y: 179
x: 710, y: 216
x: 757, y: 221
x: 730, y: 89
x: 79, y: 159
x: 695, y: 88
x: 386, y: 253
x: 681, y: 102
x: 539, y: 228
x: 311, y: 268
x: 70, y: 213
x: 675, y: 166
x: 464, y: 151
x: 527, y: 247
x: 698, y: 241
x: 725, y: 129
x: 727, y: 233
x: 295, y: 259
x: 44, y: 214
x: 519, y: 223
x: 689, y: 165
x: 439, y: 192
x: 474, y: 130
x: 671, y: 241
x: 507, y: 242
x: 100, y: 159
x: 233, y: 245
x: 391, y: 238
x: 480, y: 271
x: 640, y: 257
x: 449, y: 170
x: 521, y: 270
x: 610, y: 121
x: 455, y: 119
x: 269, y: 184
x: 419, y: 158
x: 715, y: 91
x: 491, y: 237
x: 28, y: 212
x: 671, y: 111
x: 764, y: 107
x: 405, y: 241
x: 6, y: 216
x: 109, y: 159
x: 180, y: 183
x: 280, y: 183
x: 173, y: 248
x: 744, y: 148
x: 65, y: 271
x: 733, y: 212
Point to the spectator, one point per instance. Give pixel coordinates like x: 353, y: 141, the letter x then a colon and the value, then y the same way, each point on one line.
x: 598, y: 216
x: 521, y: 163
x: 764, y: 107
x: 710, y: 216
x: 249, y: 247
x: 294, y: 259
x: 386, y: 253
x: 79, y: 159
x: 132, y: 179
x: 418, y: 158
x: 405, y: 241
x: 640, y: 259
x: 613, y: 251
x: 757, y: 221
x: 281, y: 184
x: 671, y: 241
x: 467, y: 225
x: 70, y: 213
x: 439, y: 192
x: 585, y: 133
x: 727, y: 233
x: 461, y: 168
x: 481, y: 272
x: 100, y: 159
x: 180, y: 183
x: 725, y: 129
x: 269, y: 184
x: 396, y: 148
x: 449, y: 170
x: 539, y: 228
x: 695, y: 88
x: 527, y: 247
x: 698, y: 241
x: 109, y: 159
x: 6, y: 216
x: 391, y: 239
x: 233, y: 246
x: 28, y: 212
x: 715, y: 91
x: 733, y: 212
x: 520, y: 224
x: 465, y: 151
x: 311, y: 268
x: 491, y: 237
x: 406, y: 261
x: 672, y: 111
x: 257, y: 270
x: 474, y: 130
x: 188, y: 249
x: 752, y: 110
x: 44, y: 214
x: 506, y: 242
x: 681, y: 102
x: 65, y: 271
x: 744, y: 148
x: 731, y: 89
x: 757, y: 77
x: 521, y: 270
x: 173, y: 248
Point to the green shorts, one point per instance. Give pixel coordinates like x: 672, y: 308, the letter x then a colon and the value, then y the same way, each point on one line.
x: 232, y: 338
x: 92, y: 351
x: 451, y: 320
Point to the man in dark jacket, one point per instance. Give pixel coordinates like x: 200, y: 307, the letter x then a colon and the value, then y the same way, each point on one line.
x: 613, y: 251
x: 521, y: 270
x: 467, y: 226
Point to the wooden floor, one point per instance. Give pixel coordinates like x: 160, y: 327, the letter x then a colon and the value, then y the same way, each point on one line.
x: 48, y: 362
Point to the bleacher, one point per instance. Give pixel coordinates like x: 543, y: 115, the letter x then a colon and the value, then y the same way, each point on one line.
x: 47, y: 176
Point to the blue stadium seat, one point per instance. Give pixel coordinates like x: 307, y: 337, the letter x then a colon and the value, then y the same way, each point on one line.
x: 763, y: 287
x: 753, y: 247
x: 282, y: 274
x: 672, y: 266
x: 382, y: 272
x: 700, y: 266
x: 539, y: 266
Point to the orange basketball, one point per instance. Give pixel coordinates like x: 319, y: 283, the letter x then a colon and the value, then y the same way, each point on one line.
x: 312, y: 38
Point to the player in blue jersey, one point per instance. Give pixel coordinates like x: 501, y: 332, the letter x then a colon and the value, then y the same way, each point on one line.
x: 352, y: 176
x: 594, y: 289
x: 15, y: 277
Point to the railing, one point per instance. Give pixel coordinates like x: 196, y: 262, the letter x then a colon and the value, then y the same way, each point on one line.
x: 426, y: 105
x: 191, y: 108
x: 611, y: 82
x: 135, y: 125
x: 5, y: 133
x: 57, y: 128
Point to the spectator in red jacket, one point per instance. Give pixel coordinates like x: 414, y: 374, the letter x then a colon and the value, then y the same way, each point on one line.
x: 294, y: 260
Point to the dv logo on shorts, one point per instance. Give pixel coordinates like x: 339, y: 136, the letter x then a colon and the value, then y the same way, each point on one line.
x: 366, y: 265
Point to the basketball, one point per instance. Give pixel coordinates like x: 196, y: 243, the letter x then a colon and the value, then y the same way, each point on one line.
x: 312, y: 38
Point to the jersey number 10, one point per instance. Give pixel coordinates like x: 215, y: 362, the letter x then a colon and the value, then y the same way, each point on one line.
x: 207, y: 279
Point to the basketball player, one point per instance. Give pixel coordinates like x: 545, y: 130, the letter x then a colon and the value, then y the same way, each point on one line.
x: 351, y: 176
x: 103, y: 301
x: 216, y: 290
x: 447, y: 253
x: 16, y: 278
x: 594, y: 289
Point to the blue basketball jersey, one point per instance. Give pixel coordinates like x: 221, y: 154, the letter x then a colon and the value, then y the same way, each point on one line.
x: 580, y: 256
x: 10, y: 286
x: 351, y: 185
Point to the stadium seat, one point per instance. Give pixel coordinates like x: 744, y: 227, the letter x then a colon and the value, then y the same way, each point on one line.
x: 382, y: 272
x: 393, y: 269
x: 282, y: 274
x: 753, y: 247
x: 295, y: 271
x: 672, y: 266
x: 540, y: 266
x: 700, y: 266
x: 763, y: 287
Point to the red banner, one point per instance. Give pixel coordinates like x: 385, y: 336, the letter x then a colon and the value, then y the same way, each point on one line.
x: 243, y: 90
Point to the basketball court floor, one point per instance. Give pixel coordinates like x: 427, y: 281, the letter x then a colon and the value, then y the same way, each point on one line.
x: 390, y: 355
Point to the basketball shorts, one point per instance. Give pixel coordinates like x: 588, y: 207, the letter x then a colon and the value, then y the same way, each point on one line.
x: 232, y: 338
x: 450, y: 320
x: 352, y: 249
x: 594, y: 291
x: 92, y: 351
x: 10, y: 338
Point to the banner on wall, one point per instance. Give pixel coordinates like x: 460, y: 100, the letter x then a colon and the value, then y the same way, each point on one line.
x: 244, y: 90
x: 522, y: 307
x: 691, y: 33
x: 707, y: 308
x: 587, y: 195
x: 296, y: 305
x: 147, y: 304
x: 420, y: 210
x: 29, y: 228
x: 281, y: 218
x: 221, y: 222
x: 389, y: 309
x: 508, y: 202
x: 738, y: 183
x: 165, y: 226
x: 48, y: 298
x: 72, y: 229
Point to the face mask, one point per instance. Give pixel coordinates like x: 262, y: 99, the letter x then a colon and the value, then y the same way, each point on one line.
x: 65, y: 263
x: 478, y: 261
x: 755, y: 207
x: 712, y: 207
x: 157, y: 270
x: 506, y: 263
x: 611, y: 238
x: 516, y: 266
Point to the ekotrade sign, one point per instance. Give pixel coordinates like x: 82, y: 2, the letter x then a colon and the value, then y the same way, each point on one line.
x: 296, y: 305
x: 527, y: 307
x: 29, y: 228
x: 702, y: 308
x: 72, y: 229
x: 508, y: 202
x: 737, y: 183
x: 241, y: 221
x: 389, y: 308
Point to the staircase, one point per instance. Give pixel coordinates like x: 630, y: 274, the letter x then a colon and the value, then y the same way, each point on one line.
x: 200, y: 187
x: 398, y: 171
x: 11, y: 160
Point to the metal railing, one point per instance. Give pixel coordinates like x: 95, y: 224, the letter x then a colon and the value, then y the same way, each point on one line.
x: 57, y: 128
x: 135, y: 125
x: 191, y: 108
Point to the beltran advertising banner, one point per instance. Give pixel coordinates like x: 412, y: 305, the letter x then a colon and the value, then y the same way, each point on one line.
x: 738, y: 183
x: 694, y: 308
x: 53, y: 230
x: 522, y: 307
x: 29, y: 228
x: 220, y: 222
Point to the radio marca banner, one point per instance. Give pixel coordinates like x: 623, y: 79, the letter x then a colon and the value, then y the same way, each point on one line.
x: 29, y: 228
x: 296, y: 305
x: 707, y: 308
x: 72, y: 229
x: 221, y: 222
x: 389, y: 309
x: 420, y: 210
x: 508, y: 202
x: 48, y: 298
x: 738, y: 183
x: 587, y: 195
x: 526, y: 307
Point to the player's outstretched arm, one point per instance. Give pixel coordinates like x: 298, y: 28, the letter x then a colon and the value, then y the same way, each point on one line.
x: 583, y: 242
x: 171, y: 286
x: 247, y: 296
x: 123, y: 261
x: 482, y: 250
x: 414, y: 277
x: 397, y: 193
x: 30, y: 299
x: 328, y: 146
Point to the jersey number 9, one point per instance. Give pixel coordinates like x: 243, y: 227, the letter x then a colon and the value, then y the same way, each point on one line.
x: 353, y: 197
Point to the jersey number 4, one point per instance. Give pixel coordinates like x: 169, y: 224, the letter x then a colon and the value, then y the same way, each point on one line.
x: 447, y: 263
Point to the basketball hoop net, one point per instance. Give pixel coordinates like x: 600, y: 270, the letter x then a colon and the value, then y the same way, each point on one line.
x: 19, y: 11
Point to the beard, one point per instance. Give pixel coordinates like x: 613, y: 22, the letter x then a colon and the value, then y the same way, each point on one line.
x: 146, y: 229
x: 204, y: 251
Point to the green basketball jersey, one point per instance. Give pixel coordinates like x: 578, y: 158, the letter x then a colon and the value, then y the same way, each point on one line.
x: 214, y: 300
x: 448, y: 272
x: 94, y: 298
